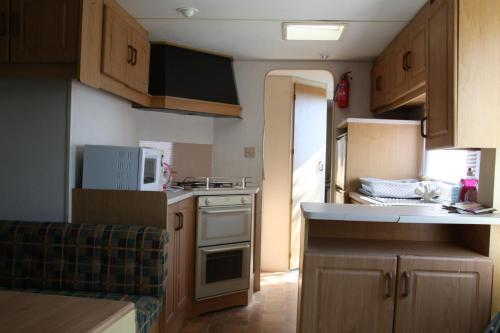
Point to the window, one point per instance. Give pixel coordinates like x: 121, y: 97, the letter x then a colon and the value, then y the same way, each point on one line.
x: 451, y: 165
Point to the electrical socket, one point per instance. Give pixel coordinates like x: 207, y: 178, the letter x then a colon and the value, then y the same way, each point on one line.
x: 249, y: 152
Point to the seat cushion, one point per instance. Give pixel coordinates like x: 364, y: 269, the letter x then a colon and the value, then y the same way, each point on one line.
x: 107, y: 258
x: 147, y: 308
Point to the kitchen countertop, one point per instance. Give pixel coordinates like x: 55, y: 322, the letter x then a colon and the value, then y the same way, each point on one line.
x: 174, y: 197
x: 393, y: 214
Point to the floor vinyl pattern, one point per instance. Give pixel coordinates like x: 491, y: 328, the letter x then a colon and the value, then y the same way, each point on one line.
x: 273, y: 310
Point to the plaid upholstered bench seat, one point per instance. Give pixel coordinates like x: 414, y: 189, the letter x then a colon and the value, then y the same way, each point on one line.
x: 100, y: 261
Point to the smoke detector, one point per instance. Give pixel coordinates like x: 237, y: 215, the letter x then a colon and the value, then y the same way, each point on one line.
x: 187, y: 11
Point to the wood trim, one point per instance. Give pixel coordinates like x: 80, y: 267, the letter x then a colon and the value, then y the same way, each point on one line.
x: 413, y: 98
x: 124, y: 91
x: 91, y: 43
x: 257, y: 243
x: 310, y: 90
x: 192, y: 105
x: 68, y: 71
x: 120, y: 207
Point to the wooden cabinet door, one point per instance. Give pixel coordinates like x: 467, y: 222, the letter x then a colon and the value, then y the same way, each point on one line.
x: 4, y: 31
x: 186, y: 253
x: 383, y: 79
x: 347, y: 294
x: 44, y: 31
x: 172, y: 224
x: 376, y: 86
x: 443, y: 295
x: 139, y: 67
x: 117, y: 52
x: 440, y: 74
x: 400, y: 69
x: 417, y: 55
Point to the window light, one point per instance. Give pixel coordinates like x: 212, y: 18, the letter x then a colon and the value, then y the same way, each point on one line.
x: 312, y: 31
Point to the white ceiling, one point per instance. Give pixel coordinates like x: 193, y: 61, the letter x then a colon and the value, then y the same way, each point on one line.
x: 251, y: 29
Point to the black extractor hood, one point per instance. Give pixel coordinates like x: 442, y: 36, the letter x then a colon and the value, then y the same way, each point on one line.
x: 188, y: 80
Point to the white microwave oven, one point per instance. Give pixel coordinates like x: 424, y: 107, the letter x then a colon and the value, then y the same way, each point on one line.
x: 122, y: 168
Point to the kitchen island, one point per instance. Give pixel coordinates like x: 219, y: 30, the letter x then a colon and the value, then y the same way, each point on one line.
x: 369, y: 268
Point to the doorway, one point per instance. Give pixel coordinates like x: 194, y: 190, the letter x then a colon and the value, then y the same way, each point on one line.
x: 296, y: 167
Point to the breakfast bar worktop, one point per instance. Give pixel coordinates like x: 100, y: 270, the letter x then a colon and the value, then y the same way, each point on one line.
x: 394, y: 214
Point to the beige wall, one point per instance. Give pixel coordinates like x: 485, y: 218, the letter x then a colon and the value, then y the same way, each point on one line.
x: 232, y: 135
x: 101, y: 118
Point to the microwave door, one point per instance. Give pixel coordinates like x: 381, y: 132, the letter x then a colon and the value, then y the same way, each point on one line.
x: 150, y: 177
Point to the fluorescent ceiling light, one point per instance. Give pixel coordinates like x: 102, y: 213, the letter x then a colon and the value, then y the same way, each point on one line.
x: 313, y: 31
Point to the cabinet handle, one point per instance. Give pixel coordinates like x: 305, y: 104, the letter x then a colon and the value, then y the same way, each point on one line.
x: 388, y: 284
x: 408, y: 60
x: 3, y: 24
x: 403, y: 65
x: 178, y: 221
x: 378, y: 83
x: 423, y: 122
x: 182, y: 220
x: 134, y: 56
x: 130, y: 54
x: 15, y: 24
x: 407, y: 280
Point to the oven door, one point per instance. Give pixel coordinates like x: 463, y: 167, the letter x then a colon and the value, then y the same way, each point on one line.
x: 222, y: 269
x: 224, y: 225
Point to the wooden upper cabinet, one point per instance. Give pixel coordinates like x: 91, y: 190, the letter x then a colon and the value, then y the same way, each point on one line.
x: 348, y: 294
x: 139, y: 71
x: 400, y: 70
x: 462, y: 74
x: 126, y: 48
x: 440, y: 75
x: 407, y: 66
x: 443, y: 295
x: 117, y: 54
x: 44, y: 31
x: 416, y: 58
x: 4, y: 31
x: 383, y: 78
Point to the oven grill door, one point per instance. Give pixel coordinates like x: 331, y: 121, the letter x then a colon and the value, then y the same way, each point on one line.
x: 222, y: 269
x: 224, y: 225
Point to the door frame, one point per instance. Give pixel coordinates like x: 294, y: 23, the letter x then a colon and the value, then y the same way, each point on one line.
x: 261, y: 236
x: 313, y: 85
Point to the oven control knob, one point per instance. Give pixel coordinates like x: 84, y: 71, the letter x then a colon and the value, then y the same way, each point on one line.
x: 245, y: 200
x: 208, y: 201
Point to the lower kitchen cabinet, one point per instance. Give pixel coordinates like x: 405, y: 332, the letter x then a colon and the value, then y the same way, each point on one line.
x: 443, y: 295
x: 348, y: 294
x: 180, y: 284
x: 358, y: 293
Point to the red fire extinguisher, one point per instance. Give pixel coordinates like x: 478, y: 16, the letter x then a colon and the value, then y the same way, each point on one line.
x: 342, y: 91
